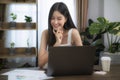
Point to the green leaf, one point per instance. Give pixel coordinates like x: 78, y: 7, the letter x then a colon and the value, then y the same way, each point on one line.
x: 115, y: 30
x: 28, y: 19
x: 13, y: 16
x: 99, y: 27
x: 102, y: 20
x: 94, y: 28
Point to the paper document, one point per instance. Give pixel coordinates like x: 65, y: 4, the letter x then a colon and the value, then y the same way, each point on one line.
x: 22, y: 74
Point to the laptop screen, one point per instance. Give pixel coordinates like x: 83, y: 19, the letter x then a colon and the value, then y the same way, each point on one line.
x: 70, y: 60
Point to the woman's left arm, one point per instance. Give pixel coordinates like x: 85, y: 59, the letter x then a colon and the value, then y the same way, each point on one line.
x: 76, y: 38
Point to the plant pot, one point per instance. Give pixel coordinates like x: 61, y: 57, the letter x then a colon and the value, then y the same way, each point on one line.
x: 28, y: 24
x: 11, y: 51
x: 28, y: 51
x: 12, y: 24
x: 115, y: 57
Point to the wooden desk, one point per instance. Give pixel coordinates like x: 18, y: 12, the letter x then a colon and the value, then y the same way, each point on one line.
x: 114, y: 74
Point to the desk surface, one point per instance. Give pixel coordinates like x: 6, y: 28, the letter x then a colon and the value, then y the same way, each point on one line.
x: 114, y: 74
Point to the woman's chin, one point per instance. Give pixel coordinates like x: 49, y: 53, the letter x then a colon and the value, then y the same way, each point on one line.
x: 55, y: 28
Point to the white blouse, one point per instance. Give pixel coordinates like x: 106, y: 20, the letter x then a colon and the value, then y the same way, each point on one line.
x: 69, y: 39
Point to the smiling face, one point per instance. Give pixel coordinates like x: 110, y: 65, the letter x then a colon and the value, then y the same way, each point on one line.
x: 58, y: 20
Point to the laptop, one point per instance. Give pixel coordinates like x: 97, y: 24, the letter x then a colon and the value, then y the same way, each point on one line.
x: 70, y: 60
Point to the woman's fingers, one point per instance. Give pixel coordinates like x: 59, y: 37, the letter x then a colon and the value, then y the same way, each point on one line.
x: 57, y: 31
x: 58, y: 34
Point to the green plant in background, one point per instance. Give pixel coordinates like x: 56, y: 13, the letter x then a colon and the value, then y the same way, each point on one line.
x: 12, y: 45
x: 93, y: 40
x: 28, y: 19
x: 104, y: 26
x: 13, y: 16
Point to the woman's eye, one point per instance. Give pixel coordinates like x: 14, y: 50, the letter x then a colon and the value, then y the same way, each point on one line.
x: 59, y: 19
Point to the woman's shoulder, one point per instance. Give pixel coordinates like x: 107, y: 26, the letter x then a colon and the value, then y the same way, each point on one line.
x: 74, y: 30
x: 45, y: 31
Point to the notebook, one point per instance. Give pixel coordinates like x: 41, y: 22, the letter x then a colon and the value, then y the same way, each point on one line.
x: 70, y: 60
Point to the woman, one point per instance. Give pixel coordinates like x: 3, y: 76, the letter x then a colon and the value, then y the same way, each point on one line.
x: 61, y: 32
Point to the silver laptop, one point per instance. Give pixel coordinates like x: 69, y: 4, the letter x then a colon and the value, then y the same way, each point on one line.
x: 70, y: 60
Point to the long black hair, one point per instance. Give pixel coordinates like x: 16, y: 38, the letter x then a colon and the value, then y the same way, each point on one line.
x: 62, y: 8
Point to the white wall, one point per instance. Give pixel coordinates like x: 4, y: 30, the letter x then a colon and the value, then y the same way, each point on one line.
x: 112, y: 10
x: 43, y: 11
x: 109, y: 9
x: 95, y: 9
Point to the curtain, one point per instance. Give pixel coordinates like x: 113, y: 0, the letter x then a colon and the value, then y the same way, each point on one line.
x: 82, y: 9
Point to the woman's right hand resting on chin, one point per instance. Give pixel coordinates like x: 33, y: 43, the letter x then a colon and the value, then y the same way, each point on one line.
x: 59, y: 36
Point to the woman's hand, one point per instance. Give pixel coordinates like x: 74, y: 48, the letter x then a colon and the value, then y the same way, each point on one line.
x: 59, y: 35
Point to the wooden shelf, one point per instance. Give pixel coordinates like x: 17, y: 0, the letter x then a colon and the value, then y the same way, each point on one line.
x: 16, y: 1
x: 19, y: 26
x: 19, y: 52
x: 6, y: 1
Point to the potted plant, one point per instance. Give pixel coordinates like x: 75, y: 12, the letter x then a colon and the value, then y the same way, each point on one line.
x: 93, y: 40
x: 12, y: 48
x: 28, y: 20
x: 109, y: 30
x: 13, y: 22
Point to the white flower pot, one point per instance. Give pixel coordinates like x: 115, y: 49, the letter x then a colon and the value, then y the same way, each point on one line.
x: 115, y: 57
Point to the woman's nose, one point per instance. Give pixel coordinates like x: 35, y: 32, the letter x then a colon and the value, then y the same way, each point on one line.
x: 55, y: 21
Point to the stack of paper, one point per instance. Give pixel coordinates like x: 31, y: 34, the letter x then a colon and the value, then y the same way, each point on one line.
x: 20, y: 74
